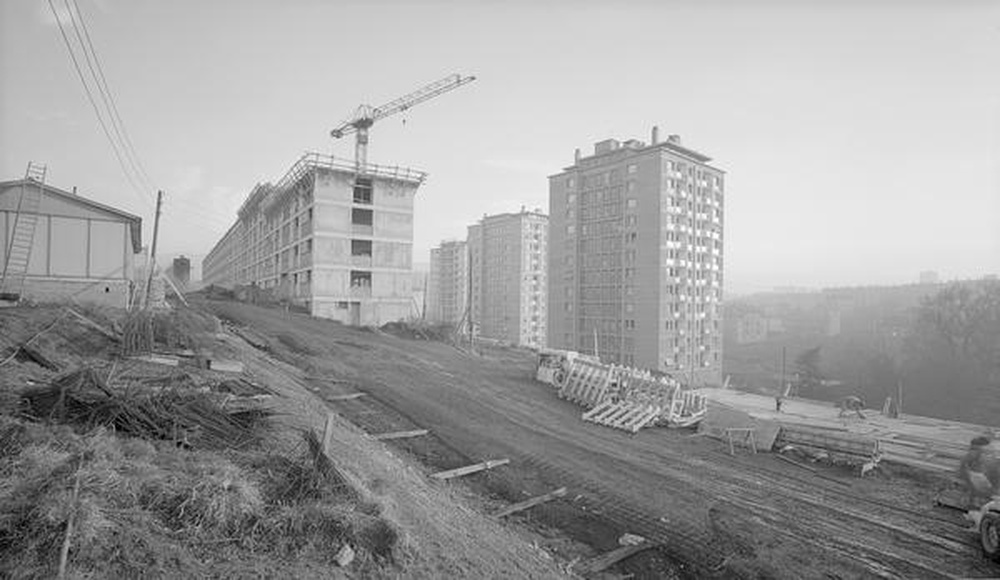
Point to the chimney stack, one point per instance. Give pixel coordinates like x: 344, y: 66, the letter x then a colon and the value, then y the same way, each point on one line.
x: 655, y: 137
x: 576, y: 156
x: 74, y: 190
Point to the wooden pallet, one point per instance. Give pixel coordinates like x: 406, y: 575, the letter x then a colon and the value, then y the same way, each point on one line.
x: 586, y: 383
x: 623, y: 415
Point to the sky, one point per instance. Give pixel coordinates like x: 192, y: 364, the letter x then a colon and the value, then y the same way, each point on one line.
x: 861, y: 140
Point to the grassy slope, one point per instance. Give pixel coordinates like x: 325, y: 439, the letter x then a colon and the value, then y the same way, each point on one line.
x: 149, y: 509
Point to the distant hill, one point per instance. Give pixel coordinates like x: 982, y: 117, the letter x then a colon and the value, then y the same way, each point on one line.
x: 869, y: 339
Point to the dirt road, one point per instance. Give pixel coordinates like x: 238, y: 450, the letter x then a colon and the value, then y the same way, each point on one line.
x: 717, y: 515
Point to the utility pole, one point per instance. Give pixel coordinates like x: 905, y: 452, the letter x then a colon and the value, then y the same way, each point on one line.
x: 152, y: 252
x: 781, y: 387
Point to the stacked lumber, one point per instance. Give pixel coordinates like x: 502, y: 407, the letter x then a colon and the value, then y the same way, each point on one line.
x: 628, y: 398
x: 850, y: 448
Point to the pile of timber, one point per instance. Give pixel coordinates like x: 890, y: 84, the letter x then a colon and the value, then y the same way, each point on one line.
x: 838, y: 445
x: 923, y: 452
x: 629, y: 399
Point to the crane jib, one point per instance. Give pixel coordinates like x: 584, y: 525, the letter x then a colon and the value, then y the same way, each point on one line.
x: 365, y: 116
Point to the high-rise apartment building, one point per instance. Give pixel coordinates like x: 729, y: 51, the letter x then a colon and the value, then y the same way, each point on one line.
x: 329, y: 238
x: 448, y: 283
x: 508, y: 256
x: 181, y: 271
x: 636, y: 258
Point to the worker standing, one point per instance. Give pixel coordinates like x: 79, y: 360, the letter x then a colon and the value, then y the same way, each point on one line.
x: 850, y: 404
x: 980, y: 470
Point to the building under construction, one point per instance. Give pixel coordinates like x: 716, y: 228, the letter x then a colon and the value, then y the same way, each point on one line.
x: 327, y: 236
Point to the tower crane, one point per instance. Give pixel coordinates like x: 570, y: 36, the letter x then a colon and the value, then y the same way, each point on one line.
x: 365, y: 115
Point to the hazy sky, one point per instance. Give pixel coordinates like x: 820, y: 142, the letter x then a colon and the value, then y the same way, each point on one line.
x: 861, y: 139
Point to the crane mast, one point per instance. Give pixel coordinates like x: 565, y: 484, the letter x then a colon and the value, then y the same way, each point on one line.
x: 365, y: 115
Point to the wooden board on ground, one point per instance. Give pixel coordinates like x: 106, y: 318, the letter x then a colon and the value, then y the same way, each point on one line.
x: 530, y: 503
x: 401, y: 434
x: 347, y: 397
x: 469, y: 469
x: 609, y: 559
x: 954, y: 499
x: 226, y: 366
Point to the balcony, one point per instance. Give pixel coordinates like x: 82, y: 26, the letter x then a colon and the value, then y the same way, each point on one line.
x: 362, y: 229
x: 362, y: 261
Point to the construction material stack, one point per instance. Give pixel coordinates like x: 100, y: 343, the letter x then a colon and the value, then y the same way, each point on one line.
x: 621, y: 397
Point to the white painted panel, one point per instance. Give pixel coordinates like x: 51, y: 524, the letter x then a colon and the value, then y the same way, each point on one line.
x: 38, y: 263
x: 69, y: 247
x: 106, y: 251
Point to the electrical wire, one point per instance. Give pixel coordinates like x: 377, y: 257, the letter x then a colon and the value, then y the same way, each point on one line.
x: 93, y: 104
x: 109, y: 101
x: 118, y: 136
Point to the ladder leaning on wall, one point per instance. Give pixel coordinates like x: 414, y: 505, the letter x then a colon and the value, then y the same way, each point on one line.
x: 21, y: 237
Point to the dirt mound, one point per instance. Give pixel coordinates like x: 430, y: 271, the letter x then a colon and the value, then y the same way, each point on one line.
x: 419, y: 330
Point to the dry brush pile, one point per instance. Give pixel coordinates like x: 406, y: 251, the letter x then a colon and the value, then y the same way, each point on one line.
x: 158, y: 477
x: 130, y: 507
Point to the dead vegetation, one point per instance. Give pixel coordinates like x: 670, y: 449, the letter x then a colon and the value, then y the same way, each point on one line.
x: 123, y: 468
x: 420, y: 330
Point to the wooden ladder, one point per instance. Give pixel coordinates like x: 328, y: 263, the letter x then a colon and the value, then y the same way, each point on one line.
x: 17, y: 250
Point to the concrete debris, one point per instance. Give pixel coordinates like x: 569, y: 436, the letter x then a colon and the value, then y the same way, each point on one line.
x: 344, y: 556
x: 631, y: 540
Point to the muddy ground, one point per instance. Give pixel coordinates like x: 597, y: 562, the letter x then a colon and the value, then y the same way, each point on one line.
x: 715, y: 515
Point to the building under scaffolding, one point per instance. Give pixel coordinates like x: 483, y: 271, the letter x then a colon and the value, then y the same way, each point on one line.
x: 326, y: 237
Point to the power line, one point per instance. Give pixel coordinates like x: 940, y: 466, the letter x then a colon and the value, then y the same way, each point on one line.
x: 113, y: 109
x: 93, y: 104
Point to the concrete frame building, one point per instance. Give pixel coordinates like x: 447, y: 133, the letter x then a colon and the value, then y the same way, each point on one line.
x: 448, y: 283
x: 326, y: 237
x: 81, y: 249
x: 636, y: 258
x: 509, y: 260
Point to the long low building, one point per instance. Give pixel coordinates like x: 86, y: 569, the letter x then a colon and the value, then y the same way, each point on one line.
x: 326, y: 237
x: 80, y: 250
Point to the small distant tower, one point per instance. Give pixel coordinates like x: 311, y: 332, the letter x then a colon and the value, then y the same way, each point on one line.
x: 182, y: 271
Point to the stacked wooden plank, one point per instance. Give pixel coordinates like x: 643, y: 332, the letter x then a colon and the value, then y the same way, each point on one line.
x: 922, y: 442
x: 849, y: 447
x: 922, y: 452
x: 623, y: 415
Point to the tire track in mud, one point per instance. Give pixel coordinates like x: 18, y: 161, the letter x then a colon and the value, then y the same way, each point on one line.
x: 697, y: 546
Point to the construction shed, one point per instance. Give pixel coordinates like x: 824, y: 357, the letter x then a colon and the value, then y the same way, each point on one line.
x: 79, y: 249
